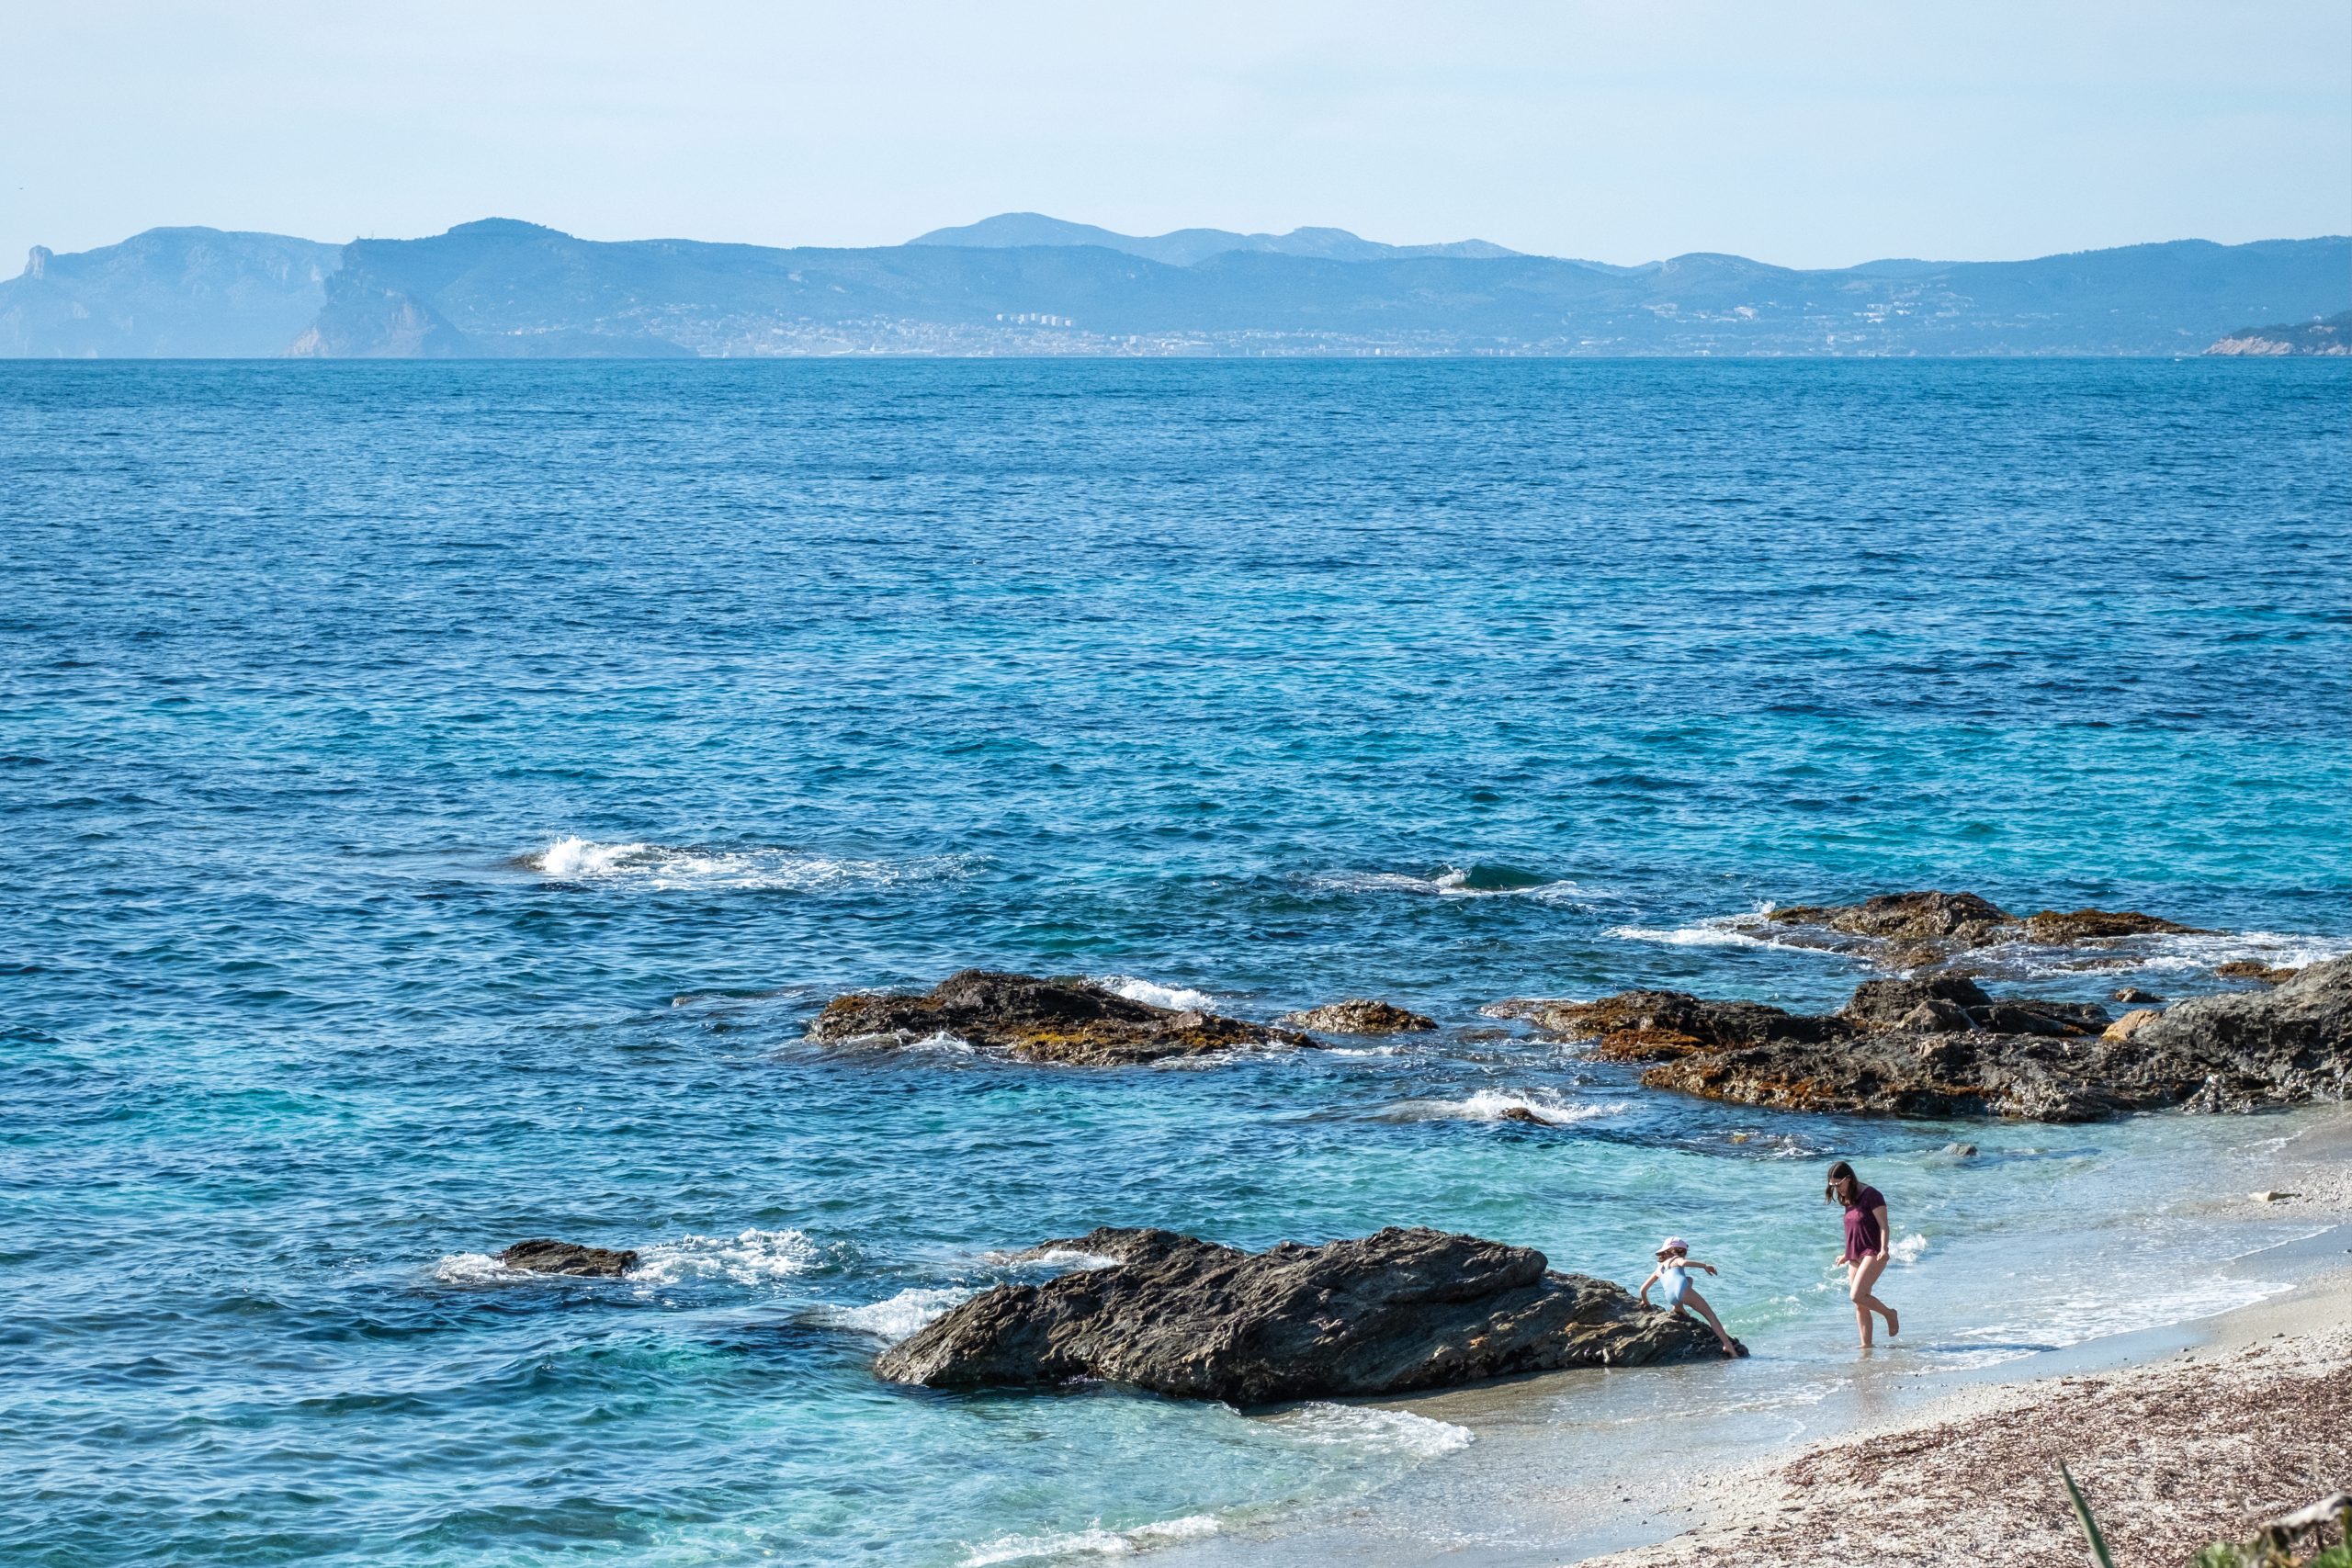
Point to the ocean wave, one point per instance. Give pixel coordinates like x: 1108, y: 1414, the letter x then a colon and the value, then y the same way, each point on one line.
x: 475, y: 1269
x: 1454, y: 882
x: 1373, y: 1430
x: 1715, y: 931
x: 1908, y: 1249
x: 1096, y: 1541
x: 899, y: 1317
x: 1493, y: 1105
x: 749, y: 1258
x: 1176, y: 999
x: 668, y: 867
x: 1069, y: 1259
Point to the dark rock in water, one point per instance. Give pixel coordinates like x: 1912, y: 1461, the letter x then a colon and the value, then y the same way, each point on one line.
x: 2036, y: 1060
x: 1360, y: 1015
x: 1521, y: 1113
x: 1961, y: 918
x: 1392, y: 1312
x: 1881, y: 1003
x: 2132, y: 995
x: 1930, y: 929
x: 544, y: 1257
x: 2248, y: 969
x: 1071, y: 1021
x: 2056, y: 927
x: 2284, y: 1045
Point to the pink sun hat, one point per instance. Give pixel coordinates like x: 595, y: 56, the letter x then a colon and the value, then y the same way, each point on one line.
x: 1673, y: 1243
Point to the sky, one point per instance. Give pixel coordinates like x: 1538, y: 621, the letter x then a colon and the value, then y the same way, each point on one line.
x: 1815, y: 134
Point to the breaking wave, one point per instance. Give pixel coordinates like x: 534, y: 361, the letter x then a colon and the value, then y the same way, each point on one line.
x: 749, y: 1258
x: 1479, y: 881
x: 1176, y: 999
x: 1371, y: 1430
x: 1494, y: 1105
x: 667, y: 867
x: 1094, y: 1543
x: 899, y: 1317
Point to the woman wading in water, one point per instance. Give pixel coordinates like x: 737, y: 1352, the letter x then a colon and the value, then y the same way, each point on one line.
x: 1865, y: 1254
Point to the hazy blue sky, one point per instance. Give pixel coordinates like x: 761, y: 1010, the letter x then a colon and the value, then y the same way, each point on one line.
x: 1810, y: 134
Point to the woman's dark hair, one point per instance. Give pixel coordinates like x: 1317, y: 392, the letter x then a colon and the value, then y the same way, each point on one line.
x: 1839, y: 1172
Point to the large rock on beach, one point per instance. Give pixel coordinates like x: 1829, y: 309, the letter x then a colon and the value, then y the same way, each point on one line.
x: 1392, y: 1312
x: 541, y: 1255
x: 1930, y: 1048
x: 1359, y: 1015
x: 1927, y: 929
x: 1065, y: 1021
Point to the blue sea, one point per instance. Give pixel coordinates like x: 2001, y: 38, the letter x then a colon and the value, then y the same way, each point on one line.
x: 433, y: 799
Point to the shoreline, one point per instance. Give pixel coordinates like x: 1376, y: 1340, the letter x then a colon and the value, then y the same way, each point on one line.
x: 1664, y: 1490
x: 2178, y: 1435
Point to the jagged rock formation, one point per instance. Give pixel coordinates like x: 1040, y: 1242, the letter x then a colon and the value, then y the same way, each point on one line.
x: 1388, y: 1313
x: 1913, y: 930
x: 1938, y: 1047
x: 1359, y: 1015
x: 545, y: 1256
x: 1072, y: 1022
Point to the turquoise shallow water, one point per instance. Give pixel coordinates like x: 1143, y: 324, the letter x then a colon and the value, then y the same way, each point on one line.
x: 433, y: 798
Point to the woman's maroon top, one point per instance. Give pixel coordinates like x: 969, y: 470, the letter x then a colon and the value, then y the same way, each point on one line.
x: 1862, y: 1237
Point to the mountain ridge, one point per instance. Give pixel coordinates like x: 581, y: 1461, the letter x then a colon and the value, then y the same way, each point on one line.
x: 504, y: 287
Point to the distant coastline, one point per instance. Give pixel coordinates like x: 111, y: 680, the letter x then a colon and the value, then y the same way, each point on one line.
x: 1022, y: 285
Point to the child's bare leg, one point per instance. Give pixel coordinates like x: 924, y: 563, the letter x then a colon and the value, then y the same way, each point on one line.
x: 1699, y: 1304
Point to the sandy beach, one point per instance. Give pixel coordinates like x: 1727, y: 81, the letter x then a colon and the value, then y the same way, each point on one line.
x: 2246, y: 1422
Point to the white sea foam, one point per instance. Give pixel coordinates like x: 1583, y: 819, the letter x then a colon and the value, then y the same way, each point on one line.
x: 1069, y: 1259
x: 899, y: 1316
x: 1175, y: 998
x: 1096, y: 1541
x: 474, y: 1269
x: 1716, y: 932
x: 1908, y: 1249
x: 1493, y: 1105
x: 752, y: 868
x: 1451, y: 882
x: 1373, y: 1430
x: 749, y: 1258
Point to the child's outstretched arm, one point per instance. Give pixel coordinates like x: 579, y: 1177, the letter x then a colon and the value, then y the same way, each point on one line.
x: 1708, y: 1267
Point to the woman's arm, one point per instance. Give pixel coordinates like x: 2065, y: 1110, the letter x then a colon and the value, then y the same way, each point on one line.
x: 1886, y: 1231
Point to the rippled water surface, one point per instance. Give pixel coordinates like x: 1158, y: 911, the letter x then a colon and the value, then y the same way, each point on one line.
x: 434, y: 798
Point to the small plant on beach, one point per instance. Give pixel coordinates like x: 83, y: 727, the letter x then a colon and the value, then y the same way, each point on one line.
x: 2279, y: 1545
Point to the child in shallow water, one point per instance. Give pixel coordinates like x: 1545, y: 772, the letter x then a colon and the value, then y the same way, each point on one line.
x: 1673, y: 1273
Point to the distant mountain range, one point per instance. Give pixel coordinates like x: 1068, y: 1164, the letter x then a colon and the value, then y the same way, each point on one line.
x: 1023, y: 284
x: 2331, y: 334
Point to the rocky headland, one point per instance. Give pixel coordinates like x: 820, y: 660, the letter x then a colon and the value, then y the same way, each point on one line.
x: 1069, y: 1022
x: 1391, y: 1313
x: 1938, y: 1045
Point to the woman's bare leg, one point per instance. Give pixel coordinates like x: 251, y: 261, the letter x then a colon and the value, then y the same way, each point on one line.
x: 1698, y: 1303
x: 1864, y: 1275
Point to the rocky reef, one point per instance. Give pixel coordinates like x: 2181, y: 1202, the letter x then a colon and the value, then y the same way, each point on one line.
x: 1922, y: 930
x: 541, y: 1255
x: 1939, y: 1047
x: 1064, y: 1021
x: 1391, y: 1313
x: 1359, y: 1015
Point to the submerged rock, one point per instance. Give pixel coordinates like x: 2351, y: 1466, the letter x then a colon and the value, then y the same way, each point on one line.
x: 1360, y: 1015
x: 544, y: 1257
x: 1928, y: 928
x: 1073, y: 1021
x: 2035, y: 1060
x: 1398, y: 1311
x: 2251, y: 969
